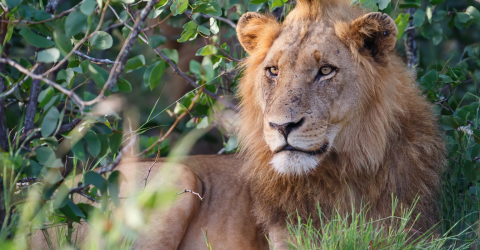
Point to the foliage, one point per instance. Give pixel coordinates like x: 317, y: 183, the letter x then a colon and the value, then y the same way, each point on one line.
x: 64, y: 112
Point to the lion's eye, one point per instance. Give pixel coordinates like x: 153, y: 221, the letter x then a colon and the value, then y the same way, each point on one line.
x: 273, y: 71
x: 325, y: 70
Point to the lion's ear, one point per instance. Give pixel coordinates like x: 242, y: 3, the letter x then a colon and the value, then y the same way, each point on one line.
x: 374, y: 34
x: 250, y: 27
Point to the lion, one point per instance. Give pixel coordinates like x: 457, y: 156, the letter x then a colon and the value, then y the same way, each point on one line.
x: 329, y: 116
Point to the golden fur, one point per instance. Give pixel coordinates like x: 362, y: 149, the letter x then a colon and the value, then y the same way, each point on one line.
x: 390, y: 144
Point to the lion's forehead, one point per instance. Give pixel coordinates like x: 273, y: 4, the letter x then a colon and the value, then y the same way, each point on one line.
x: 302, y: 44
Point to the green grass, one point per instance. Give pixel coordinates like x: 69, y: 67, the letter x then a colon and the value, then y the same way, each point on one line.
x: 355, y: 231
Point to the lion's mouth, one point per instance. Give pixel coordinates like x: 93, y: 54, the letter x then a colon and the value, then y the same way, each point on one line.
x: 319, y: 151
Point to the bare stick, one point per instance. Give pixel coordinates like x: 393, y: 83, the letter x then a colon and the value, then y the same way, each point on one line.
x: 195, y: 193
x: 94, y: 60
x: 150, y: 169
x: 33, y: 100
x: 410, y: 43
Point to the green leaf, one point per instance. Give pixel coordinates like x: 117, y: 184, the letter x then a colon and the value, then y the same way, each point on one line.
x: 12, y: 3
x: 69, y: 213
x: 179, y: 6
x: 189, y: 32
x: 153, y: 74
x: 135, y: 63
x: 456, y: 74
x: 382, y: 4
x: 48, y: 55
x: 155, y: 41
x: 99, y: 75
x: 476, y: 135
x: 474, y: 14
x: 430, y: 78
x: 419, y: 18
x: 50, y: 121
x: 436, y: 2
x: 214, y: 26
x: 74, y: 23
x: 61, y: 40
x: 61, y: 196
x: 195, y: 68
x: 78, y: 151
x: 34, y: 39
x: 101, y: 40
x: 43, y: 154
x: 124, y: 85
x: 370, y: 5
x: 463, y: 17
x: 205, y: 51
x: 114, y: 186
x: 115, y: 141
x: 88, y: 7
x: 231, y: 145
x: 445, y: 78
x: 402, y: 22
x: 275, y: 3
x: 172, y: 54
x: 93, y: 143
x: 205, y: 8
x: 97, y: 180
x: 436, y: 39
x: 258, y: 1
x: 204, y: 30
x: 45, y: 96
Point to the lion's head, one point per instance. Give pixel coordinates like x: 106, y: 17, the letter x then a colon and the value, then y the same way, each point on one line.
x: 310, y: 77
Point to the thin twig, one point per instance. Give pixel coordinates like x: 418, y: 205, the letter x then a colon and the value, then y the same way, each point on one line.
x: 195, y: 193
x: 86, y: 196
x: 63, y: 129
x: 128, y: 26
x: 150, y: 169
x: 94, y: 60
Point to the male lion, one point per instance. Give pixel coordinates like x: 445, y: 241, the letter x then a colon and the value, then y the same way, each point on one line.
x: 329, y: 116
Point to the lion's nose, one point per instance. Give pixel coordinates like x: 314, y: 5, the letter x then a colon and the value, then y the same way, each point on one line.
x: 288, y: 127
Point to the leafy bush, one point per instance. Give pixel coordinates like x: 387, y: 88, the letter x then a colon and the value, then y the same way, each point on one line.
x: 63, y: 111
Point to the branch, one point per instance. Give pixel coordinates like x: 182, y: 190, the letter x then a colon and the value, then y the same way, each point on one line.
x: 122, y: 58
x: 113, y: 165
x: 33, y: 100
x: 126, y: 25
x: 94, y: 60
x: 192, y: 82
x: 190, y: 191
x: 410, y: 43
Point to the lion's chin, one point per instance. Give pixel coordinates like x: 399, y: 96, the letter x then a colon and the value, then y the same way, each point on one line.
x: 294, y: 163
